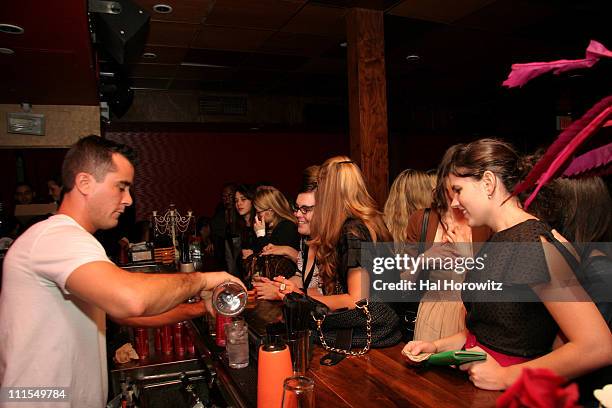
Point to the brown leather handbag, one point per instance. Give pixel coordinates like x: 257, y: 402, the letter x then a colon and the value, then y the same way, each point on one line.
x: 270, y: 266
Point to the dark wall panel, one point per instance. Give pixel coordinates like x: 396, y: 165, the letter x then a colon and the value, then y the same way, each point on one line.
x: 188, y: 168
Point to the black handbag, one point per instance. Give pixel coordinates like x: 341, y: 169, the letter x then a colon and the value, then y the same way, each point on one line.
x: 373, y: 324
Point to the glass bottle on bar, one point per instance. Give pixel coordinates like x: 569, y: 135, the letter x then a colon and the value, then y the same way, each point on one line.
x: 185, y: 258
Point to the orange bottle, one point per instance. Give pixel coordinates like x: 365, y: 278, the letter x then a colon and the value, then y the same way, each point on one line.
x: 274, y: 365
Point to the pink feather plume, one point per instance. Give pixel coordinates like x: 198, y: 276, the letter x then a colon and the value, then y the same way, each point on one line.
x: 523, y: 73
x: 594, y: 162
x: 567, y: 137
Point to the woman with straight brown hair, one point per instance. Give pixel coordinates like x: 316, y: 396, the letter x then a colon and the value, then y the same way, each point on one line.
x: 345, y: 219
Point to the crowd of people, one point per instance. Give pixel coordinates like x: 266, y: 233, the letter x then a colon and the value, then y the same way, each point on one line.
x: 464, y: 208
x: 470, y: 206
x: 12, y: 226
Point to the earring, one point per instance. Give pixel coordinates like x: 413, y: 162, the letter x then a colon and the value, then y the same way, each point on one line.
x: 489, y: 196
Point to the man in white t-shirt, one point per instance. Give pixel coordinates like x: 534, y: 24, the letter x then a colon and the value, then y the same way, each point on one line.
x: 58, y: 284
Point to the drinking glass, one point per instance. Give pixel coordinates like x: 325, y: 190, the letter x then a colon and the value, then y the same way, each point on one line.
x: 237, y: 343
x: 229, y: 298
x: 299, y: 345
x: 298, y: 392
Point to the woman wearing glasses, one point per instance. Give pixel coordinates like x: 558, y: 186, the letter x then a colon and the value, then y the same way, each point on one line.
x: 345, y: 219
x: 307, y: 273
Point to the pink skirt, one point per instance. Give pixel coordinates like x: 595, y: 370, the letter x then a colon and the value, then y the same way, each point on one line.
x: 502, y: 359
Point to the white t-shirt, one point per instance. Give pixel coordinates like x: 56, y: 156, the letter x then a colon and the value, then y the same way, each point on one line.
x: 49, y: 338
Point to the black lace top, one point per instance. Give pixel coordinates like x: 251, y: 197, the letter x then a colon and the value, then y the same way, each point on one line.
x: 524, y: 329
x: 348, y: 251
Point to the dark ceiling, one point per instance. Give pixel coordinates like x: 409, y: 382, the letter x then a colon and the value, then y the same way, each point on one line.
x: 293, y: 47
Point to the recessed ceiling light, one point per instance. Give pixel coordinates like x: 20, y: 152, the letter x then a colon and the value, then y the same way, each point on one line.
x: 344, y: 44
x: 6, y: 51
x: 162, y: 8
x: 149, y: 55
x: 412, y: 58
x: 11, y: 29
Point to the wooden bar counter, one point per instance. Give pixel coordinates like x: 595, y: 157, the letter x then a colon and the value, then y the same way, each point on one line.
x: 381, y: 378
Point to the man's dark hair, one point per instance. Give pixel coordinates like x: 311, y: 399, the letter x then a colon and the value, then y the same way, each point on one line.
x: 94, y: 155
x: 57, y: 179
x: 23, y: 183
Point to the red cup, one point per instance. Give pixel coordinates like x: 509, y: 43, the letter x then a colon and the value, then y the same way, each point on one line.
x: 142, y: 342
x: 178, y: 334
x: 220, y: 329
x: 189, y: 346
x: 166, y: 340
x: 158, y: 346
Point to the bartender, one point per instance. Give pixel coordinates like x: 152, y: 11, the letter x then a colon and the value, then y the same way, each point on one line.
x: 58, y: 284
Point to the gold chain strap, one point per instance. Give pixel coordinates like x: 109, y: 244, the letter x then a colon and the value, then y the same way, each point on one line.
x: 363, y: 305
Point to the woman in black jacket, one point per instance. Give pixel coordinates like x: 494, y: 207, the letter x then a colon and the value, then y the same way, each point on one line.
x: 274, y: 222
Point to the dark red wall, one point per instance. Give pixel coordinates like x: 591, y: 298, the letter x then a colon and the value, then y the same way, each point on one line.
x: 188, y: 168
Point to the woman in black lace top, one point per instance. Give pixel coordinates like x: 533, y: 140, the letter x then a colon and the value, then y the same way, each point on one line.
x: 346, y: 217
x: 516, y: 334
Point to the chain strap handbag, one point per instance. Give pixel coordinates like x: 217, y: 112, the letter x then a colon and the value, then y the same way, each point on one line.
x: 373, y: 325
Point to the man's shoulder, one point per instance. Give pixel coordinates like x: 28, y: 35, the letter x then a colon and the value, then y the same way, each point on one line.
x: 52, y: 226
x: 59, y: 221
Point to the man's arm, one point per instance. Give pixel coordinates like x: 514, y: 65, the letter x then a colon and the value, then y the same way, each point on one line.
x: 184, y: 311
x: 125, y: 294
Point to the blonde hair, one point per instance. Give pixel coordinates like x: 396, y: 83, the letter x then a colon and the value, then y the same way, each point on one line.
x: 268, y: 197
x: 411, y: 190
x: 341, y: 194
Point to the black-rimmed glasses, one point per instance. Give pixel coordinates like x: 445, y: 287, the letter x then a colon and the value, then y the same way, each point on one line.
x: 304, y: 209
x: 261, y: 211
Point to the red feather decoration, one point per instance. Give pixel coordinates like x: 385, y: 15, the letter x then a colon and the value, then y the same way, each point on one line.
x: 567, y: 151
x: 597, y: 161
x: 523, y: 73
x: 569, y: 138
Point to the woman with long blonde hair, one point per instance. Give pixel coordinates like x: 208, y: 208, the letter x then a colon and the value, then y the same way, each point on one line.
x: 346, y: 217
x: 274, y: 222
x: 411, y: 190
x: 447, y: 235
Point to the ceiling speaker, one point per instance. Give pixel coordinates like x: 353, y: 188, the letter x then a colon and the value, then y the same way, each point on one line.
x: 123, y: 35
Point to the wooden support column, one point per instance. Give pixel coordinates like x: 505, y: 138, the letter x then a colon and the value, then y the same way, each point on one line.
x: 368, y: 98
